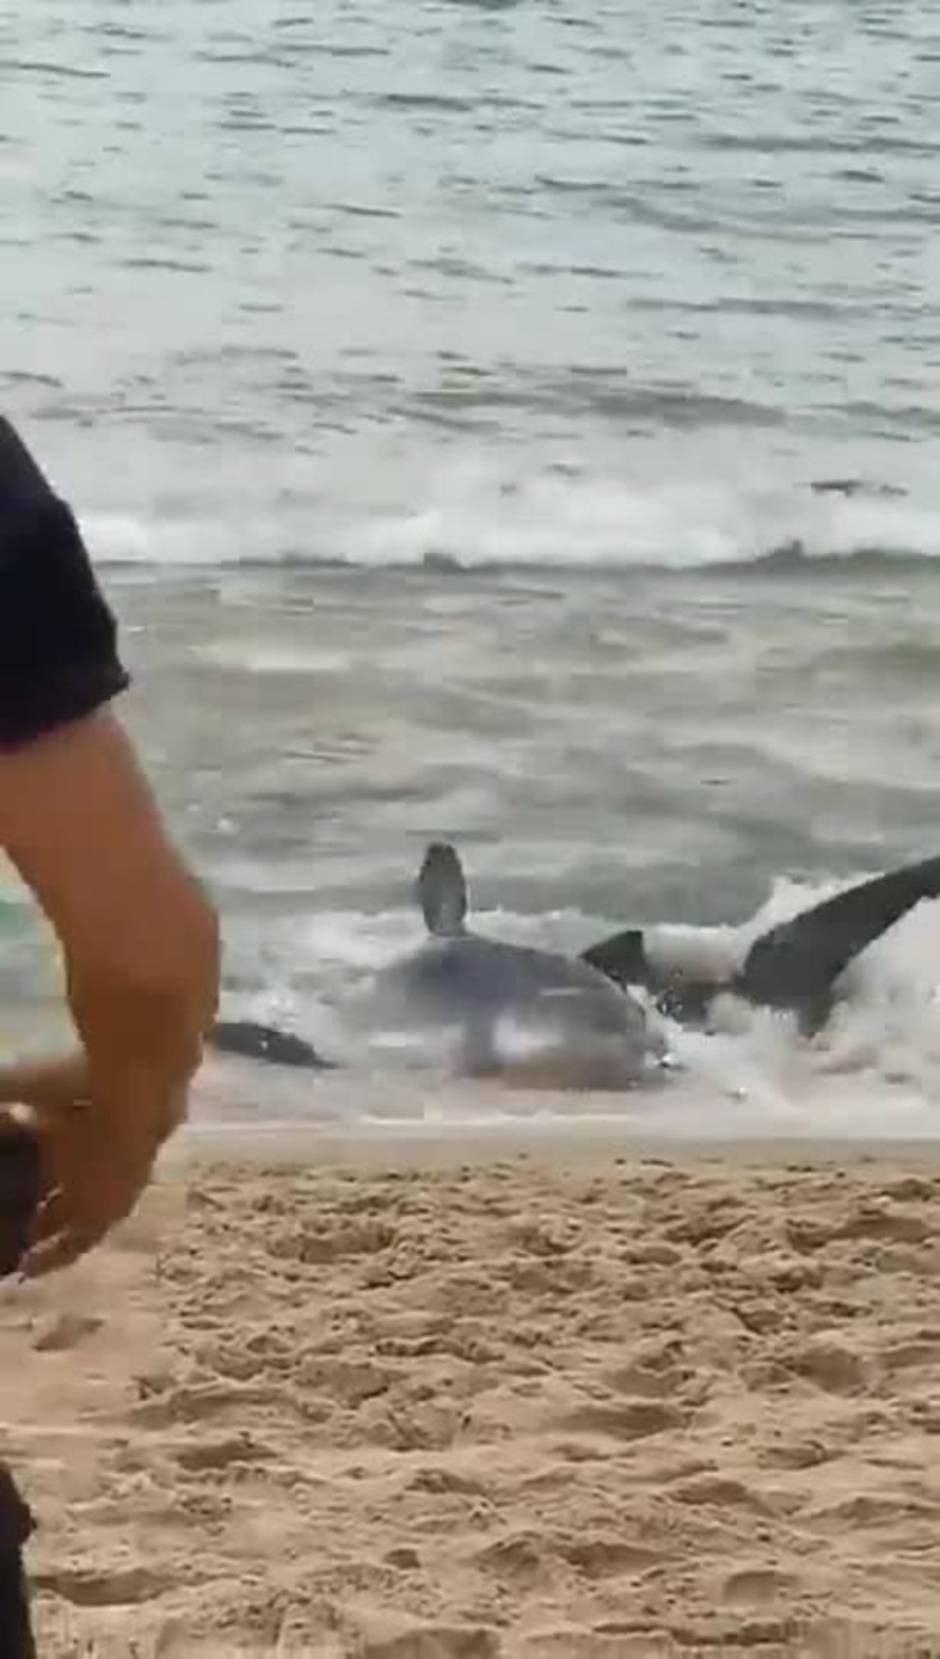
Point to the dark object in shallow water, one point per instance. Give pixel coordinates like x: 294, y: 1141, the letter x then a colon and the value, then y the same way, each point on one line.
x: 795, y: 965
x: 265, y: 1042
x: 853, y: 486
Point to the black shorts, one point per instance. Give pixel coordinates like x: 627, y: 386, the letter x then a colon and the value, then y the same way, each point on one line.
x: 16, y: 1525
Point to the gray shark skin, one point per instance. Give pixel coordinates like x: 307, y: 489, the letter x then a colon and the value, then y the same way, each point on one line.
x: 574, y: 1028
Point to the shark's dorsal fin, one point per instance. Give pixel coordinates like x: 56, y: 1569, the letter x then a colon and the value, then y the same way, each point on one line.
x: 442, y: 890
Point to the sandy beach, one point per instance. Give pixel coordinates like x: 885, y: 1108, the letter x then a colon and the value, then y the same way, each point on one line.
x: 517, y: 1406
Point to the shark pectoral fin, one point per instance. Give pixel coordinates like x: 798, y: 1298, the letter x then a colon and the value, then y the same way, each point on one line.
x: 265, y: 1042
x: 622, y: 958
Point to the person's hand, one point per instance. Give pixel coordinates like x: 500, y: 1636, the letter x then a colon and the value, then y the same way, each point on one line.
x: 94, y: 1163
x: 93, y: 1172
x: 141, y: 961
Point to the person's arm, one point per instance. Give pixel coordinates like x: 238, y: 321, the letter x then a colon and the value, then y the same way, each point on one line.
x: 79, y: 823
x: 140, y: 944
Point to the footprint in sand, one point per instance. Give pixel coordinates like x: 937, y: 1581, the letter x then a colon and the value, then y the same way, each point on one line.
x: 623, y: 1420
x: 830, y: 1364
x: 64, y: 1331
x: 756, y: 1585
x: 120, y: 1587
x: 429, y: 1641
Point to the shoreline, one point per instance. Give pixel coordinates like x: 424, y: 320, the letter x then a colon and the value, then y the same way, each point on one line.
x: 376, y: 1148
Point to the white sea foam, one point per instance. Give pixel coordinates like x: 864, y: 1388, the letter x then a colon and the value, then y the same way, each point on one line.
x: 474, y: 513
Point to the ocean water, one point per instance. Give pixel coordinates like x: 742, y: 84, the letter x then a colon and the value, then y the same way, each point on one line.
x: 516, y: 422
